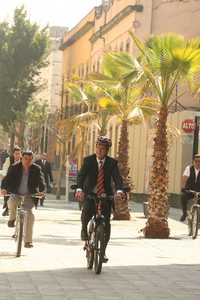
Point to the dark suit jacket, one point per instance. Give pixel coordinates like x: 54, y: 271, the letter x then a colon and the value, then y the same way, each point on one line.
x: 46, y: 169
x: 12, y: 180
x: 87, y: 177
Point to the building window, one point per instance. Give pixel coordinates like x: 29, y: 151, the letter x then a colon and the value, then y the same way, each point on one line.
x: 121, y: 47
x: 69, y: 147
x: 128, y: 44
x: 110, y: 132
x: 73, y: 142
x: 79, y: 72
x: 82, y: 71
x: 93, y: 140
x: 87, y: 69
x: 98, y: 66
x: 116, y: 140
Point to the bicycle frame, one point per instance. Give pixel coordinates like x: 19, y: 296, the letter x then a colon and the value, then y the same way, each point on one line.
x: 95, y: 245
x: 193, y: 218
x: 20, y: 214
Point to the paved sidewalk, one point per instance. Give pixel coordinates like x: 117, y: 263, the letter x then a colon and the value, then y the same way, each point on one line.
x: 138, y: 268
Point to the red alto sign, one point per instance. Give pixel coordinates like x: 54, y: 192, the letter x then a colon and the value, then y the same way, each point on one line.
x: 188, y: 125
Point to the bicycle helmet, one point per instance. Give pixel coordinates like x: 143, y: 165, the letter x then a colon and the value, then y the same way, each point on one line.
x: 103, y: 140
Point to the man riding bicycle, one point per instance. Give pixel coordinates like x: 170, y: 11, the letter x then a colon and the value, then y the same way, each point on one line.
x: 23, y: 178
x: 95, y: 177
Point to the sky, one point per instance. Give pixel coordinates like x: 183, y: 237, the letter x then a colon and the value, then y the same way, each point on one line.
x: 65, y: 13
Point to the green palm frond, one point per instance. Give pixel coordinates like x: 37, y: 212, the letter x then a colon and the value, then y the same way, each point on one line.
x: 120, y: 66
x: 74, y: 91
x: 167, y: 59
x: 85, y: 118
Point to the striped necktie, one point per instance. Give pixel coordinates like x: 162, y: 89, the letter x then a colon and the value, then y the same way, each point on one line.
x: 100, y: 179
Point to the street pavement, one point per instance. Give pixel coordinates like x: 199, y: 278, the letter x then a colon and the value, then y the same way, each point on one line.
x: 138, y: 268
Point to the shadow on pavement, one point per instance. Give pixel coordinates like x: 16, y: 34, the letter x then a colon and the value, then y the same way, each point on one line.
x: 114, y: 283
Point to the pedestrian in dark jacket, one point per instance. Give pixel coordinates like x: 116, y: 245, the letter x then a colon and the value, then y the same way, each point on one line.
x: 46, y: 169
x: 23, y: 178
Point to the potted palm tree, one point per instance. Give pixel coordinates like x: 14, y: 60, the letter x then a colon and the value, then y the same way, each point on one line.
x: 165, y: 60
x: 125, y: 98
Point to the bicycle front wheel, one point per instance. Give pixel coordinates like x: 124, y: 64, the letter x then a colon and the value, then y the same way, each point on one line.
x: 195, y: 221
x: 99, y: 248
x: 19, y: 234
x: 90, y: 256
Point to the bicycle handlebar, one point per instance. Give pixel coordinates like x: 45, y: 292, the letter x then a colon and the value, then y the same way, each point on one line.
x: 103, y: 197
x: 28, y: 195
x: 192, y: 192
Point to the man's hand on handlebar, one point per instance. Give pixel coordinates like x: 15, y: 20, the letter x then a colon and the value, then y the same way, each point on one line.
x: 4, y: 192
x: 79, y: 195
x: 40, y: 194
x: 120, y: 195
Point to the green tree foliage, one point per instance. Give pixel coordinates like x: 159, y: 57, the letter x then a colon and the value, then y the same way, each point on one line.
x: 23, y: 53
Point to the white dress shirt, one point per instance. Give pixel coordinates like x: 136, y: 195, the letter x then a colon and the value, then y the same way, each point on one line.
x: 187, y: 172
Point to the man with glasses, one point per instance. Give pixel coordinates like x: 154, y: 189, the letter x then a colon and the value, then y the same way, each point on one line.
x: 190, y: 181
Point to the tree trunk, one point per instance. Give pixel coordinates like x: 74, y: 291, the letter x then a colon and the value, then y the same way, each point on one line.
x: 121, y: 206
x: 12, y: 141
x: 21, y: 134
x: 158, y: 208
x: 60, y: 172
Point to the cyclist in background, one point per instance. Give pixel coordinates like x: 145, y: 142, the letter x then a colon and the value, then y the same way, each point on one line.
x: 23, y: 178
x: 190, y: 181
x: 15, y: 158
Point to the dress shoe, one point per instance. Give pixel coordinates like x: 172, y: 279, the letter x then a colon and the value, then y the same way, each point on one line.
x: 11, y: 223
x: 5, y: 212
x: 183, y: 217
x: 105, y: 259
x: 28, y: 245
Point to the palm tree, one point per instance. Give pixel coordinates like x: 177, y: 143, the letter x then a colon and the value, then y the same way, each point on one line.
x: 125, y: 99
x: 83, y: 92
x: 165, y: 60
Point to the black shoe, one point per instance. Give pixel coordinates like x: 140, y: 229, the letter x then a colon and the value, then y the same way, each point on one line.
x: 11, y: 223
x: 105, y: 259
x: 28, y: 245
x: 183, y: 217
x: 84, y: 236
x: 5, y: 212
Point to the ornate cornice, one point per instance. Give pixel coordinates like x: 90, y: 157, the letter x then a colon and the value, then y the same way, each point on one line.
x: 115, y: 20
x: 85, y: 28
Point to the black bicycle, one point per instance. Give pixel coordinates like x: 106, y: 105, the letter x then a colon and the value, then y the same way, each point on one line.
x: 20, y: 215
x: 193, y: 216
x: 95, y: 245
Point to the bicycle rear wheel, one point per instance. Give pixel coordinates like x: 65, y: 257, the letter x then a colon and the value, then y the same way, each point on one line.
x: 189, y: 223
x: 99, y: 248
x: 19, y: 234
x: 195, y: 221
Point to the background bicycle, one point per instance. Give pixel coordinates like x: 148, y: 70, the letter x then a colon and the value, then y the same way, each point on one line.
x: 21, y: 218
x: 193, y: 215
